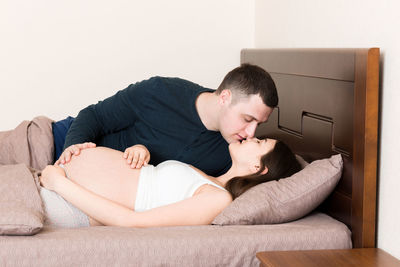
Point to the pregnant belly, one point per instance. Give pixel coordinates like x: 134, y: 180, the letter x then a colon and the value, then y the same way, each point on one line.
x: 104, y: 171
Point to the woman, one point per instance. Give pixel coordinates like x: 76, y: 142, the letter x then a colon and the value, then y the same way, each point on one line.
x: 107, y: 191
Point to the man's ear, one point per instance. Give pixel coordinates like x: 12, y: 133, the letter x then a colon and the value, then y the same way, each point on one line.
x: 225, y: 96
x: 256, y: 168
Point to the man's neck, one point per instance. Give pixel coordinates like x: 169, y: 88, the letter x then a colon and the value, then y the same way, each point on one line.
x: 208, y: 109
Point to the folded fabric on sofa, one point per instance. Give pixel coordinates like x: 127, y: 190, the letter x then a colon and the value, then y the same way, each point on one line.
x: 31, y: 143
x: 21, y: 211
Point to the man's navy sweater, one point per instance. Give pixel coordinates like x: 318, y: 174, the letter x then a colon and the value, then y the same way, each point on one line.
x: 159, y: 113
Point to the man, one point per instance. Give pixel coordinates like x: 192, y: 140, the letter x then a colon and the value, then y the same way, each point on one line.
x: 174, y: 119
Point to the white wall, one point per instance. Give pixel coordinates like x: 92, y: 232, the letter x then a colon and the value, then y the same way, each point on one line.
x: 357, y: 23
x: 57, y: 57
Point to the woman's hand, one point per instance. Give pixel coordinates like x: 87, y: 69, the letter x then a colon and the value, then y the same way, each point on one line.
x: 137, y: 156
x: 50, y: 175
x: 66, y: 156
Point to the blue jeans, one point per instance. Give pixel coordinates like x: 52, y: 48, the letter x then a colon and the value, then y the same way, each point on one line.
x: 60, y: 129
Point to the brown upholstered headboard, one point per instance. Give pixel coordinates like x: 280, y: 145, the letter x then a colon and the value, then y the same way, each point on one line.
x: 328, y: 104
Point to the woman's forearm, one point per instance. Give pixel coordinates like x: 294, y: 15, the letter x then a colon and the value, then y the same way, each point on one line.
x: 101, y: 209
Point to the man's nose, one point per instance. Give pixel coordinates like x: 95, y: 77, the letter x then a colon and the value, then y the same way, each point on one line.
x: 251, y: 129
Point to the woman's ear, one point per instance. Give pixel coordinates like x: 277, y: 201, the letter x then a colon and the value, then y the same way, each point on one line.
x: 256, y: 168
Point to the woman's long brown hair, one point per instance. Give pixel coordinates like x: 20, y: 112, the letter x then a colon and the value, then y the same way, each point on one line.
x: 281, y: 163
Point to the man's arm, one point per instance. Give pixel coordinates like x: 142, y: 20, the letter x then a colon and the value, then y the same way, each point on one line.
x: 108, y: 116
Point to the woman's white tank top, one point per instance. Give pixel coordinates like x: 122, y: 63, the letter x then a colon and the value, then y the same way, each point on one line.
x: 169, y: 182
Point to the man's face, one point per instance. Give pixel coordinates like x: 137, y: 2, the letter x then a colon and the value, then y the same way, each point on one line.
x: 239, y: 120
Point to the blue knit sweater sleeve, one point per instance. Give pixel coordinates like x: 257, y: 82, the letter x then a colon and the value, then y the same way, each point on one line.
x: 106, y: 117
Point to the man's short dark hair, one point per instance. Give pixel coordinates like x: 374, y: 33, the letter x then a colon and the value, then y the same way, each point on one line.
x: 249, y: 80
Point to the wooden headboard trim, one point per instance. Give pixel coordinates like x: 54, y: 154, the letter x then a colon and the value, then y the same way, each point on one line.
x: 366, y: 98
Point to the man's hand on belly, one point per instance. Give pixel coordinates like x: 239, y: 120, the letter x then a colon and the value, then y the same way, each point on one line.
x: 73, y: 150
x: 137, y: 156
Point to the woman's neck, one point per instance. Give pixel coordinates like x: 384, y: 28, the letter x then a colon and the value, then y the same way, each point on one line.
x: 234, y: 171
x: 221, y: 180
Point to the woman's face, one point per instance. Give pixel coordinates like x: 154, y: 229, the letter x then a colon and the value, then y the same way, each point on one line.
x: 251, y: 149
